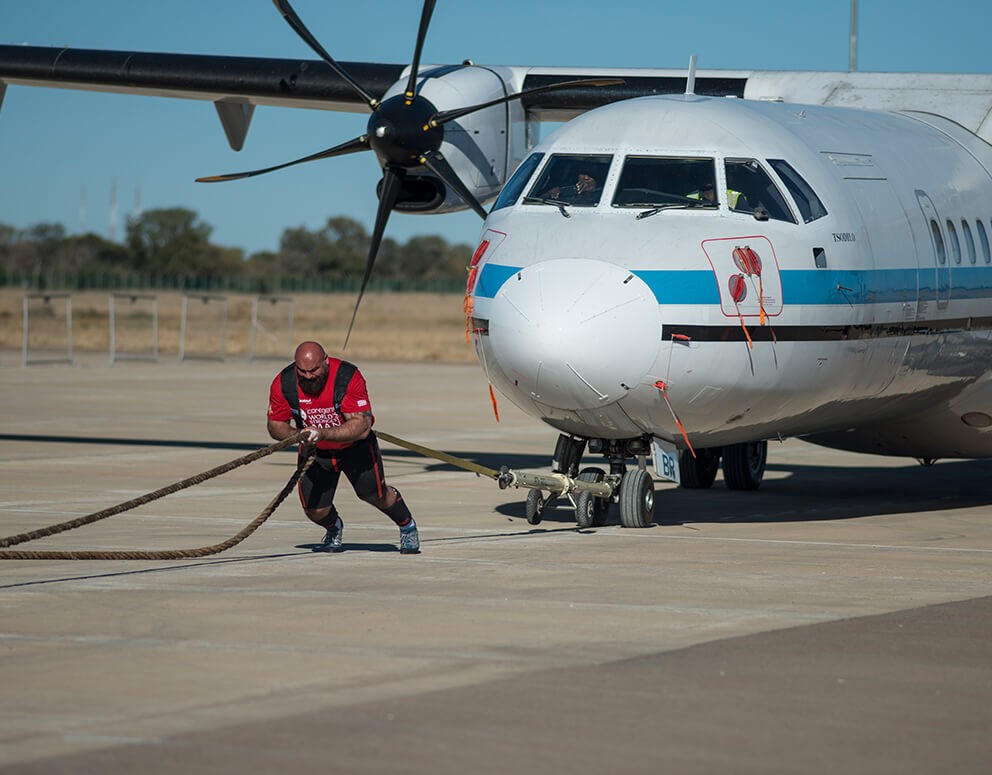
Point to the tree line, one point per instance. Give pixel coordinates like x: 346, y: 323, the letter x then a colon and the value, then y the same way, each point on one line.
x: 173, y: 246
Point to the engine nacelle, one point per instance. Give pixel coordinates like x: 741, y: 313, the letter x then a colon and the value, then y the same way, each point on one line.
x: 483, y: 148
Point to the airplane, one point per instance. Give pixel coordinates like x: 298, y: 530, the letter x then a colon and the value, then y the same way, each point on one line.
x: 759, y: 255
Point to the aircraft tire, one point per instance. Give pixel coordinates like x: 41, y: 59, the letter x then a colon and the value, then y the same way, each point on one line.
x: 590, y: 511
x: 535, y: 507
x: 636, y: 499
x: 744, y: 465
x: 698, y: 473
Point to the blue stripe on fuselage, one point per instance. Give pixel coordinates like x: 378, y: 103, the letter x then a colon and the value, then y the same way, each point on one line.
x: 799, y: 286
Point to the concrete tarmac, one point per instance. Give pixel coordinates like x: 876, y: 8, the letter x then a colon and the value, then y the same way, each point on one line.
x: 838, y: 619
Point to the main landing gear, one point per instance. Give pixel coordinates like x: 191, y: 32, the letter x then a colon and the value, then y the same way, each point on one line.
x: 632, y: 489
x: 743, y: 466
x: 591, y: 490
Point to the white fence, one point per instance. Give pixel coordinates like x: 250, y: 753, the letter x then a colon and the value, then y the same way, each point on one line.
x: 133, y: 329
x: 50, y: 319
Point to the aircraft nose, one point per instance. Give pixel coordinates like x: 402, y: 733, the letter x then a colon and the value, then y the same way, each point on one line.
x: 575, y: 333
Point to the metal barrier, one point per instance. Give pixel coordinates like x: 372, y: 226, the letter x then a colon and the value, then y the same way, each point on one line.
x: 47, y: 299
x: 274, y: 303
x: 116, y: 353
x: 205, y: 300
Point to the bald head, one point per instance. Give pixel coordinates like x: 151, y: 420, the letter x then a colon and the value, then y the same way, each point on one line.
x: 311, y: 367
x: 309, y: 355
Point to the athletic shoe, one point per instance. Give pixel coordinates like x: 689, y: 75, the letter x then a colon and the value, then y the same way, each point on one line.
x: 409, y: 539
x: 332, y: 540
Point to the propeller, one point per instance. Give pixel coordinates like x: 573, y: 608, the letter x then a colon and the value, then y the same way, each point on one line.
x: 352, y: 146
x: 405, y: 132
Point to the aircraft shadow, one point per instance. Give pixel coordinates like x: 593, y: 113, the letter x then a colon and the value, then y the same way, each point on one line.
x: 806, y: 493
x: 809, y: 493
x: 491, y: 460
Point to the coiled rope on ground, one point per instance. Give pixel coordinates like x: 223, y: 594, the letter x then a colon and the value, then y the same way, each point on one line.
x: 203, y: 551
x: 168, y: 554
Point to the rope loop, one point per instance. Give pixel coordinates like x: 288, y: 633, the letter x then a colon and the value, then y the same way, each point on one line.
x: 175, y: 554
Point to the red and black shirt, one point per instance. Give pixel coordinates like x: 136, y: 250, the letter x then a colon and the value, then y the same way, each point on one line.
x: 318, y: 411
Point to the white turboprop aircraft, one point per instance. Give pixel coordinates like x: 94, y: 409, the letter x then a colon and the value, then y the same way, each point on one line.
x: 739, y: 257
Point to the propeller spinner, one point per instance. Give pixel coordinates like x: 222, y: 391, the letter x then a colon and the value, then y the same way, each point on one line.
x: 405, y: 132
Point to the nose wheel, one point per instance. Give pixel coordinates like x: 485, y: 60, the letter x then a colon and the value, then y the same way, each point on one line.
x: 636, y: 499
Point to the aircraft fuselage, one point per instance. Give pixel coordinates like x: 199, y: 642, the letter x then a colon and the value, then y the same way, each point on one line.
x: 837, y: 289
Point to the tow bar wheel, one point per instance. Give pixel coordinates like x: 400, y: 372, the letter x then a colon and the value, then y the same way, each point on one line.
x: 636, y: 499
x: 590, y: 511
x: 535, y: 506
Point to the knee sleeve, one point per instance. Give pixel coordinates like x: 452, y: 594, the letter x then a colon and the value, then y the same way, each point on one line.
x: 398, y: 512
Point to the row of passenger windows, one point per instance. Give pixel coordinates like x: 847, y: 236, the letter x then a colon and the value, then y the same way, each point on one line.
x: 662, y: 182
x: 954, y: 242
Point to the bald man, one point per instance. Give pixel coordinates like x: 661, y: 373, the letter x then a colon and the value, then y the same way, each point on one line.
x: 341, y: 427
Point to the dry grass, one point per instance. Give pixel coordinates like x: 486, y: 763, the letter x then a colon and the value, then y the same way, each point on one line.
x: 390, y: 326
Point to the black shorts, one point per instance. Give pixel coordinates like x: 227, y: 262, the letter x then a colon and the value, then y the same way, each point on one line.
x: 361, y: 463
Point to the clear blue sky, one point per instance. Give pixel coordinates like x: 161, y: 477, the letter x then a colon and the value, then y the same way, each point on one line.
x: 56, y: 144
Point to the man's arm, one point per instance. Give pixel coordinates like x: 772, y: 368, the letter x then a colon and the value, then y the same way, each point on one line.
x: 355, y: 426
x: 280, y: 430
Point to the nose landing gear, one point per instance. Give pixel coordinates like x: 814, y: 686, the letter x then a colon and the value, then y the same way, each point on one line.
x: 632, y: 490
x: 591, y: 490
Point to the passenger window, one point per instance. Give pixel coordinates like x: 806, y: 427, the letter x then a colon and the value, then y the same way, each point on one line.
x: 983, y: 240
x: 938, y: 242
x: 952, y: 237
x: 572, y: 179
x: 751, y: 190
x: 969, y: 241
x: 809, y: 204
x: 652, y: 181
x: 515, y: 185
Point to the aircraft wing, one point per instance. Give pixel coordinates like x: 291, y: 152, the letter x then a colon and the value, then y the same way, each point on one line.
x: 250, y: 81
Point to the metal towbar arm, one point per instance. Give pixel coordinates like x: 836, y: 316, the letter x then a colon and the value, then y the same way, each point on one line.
x: 558, y: 484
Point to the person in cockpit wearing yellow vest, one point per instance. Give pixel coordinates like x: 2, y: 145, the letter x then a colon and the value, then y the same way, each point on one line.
x: 735, y: 199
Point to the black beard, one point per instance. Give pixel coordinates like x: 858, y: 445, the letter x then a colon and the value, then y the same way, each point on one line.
x: 312, y: 387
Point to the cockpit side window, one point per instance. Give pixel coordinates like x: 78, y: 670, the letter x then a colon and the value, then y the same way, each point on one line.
x: 572, y: 179
x: 751, y: 190
x: 515, y: 185
x: 653, y: 181
x: 809, y: 204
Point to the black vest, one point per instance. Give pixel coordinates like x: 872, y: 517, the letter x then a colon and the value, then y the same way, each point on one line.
x: 287, y: 381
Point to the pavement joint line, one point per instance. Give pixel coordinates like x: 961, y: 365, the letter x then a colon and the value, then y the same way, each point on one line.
x: 892, y: 547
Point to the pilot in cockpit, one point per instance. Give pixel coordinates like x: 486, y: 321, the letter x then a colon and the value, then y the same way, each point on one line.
x: 585, y: 191
x: 707, y: 193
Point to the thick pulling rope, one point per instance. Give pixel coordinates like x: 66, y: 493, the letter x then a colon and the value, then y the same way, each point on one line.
x: 558, y: 483
x: 176, y: 554
x: 468, y: 465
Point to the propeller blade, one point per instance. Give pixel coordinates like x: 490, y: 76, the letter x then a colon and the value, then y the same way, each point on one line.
x: 352, y: 146
x: 437, y: 164
x: 444, y: 116
x: 387, y: 200
x: 300, y: 28
x: 425, y: 20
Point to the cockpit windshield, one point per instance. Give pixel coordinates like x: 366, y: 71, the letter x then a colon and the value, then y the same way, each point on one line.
x: 515, y: 185
x: 751, y: 190
x: 662, y: 182
x: 571, y: 179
